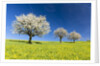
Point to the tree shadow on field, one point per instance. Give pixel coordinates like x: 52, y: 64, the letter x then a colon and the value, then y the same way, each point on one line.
x: 25, y: 41
x: 21, y: 41
x: 37, y: 42
x: 68, y: 42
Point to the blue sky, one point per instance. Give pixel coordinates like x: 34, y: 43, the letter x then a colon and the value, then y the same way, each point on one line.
x: 71, y: 16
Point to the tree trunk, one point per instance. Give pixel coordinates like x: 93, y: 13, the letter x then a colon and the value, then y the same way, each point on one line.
x: 73, y: 41
x: 60, y: 40
x: 30, y: 38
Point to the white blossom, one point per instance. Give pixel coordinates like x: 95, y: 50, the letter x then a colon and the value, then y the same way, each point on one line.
x: 60, y: 33
x: 74, y: 36
x: 31, y: 24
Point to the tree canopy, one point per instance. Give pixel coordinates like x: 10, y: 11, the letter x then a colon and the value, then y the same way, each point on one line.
x: 74, y: 36
x: 31, y: 25
x: 60, y: 33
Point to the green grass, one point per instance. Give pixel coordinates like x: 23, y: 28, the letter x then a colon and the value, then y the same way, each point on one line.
x: 46, y: 50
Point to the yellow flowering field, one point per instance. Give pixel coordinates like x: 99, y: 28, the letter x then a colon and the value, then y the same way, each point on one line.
x: 47, y: 50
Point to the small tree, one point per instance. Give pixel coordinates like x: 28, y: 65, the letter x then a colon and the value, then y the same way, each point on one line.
x: 31, y: 25
x: 74, y: 36
x: 60, y: 33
